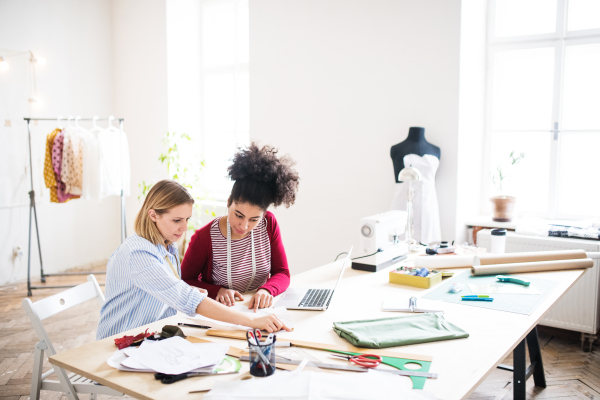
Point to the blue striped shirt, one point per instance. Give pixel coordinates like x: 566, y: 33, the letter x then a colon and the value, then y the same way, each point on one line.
x: 141, y: 288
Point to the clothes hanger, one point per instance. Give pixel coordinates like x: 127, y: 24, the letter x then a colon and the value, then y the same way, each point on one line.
x: 110, y: 125
x: 58, y: 125
x: 95, y: 127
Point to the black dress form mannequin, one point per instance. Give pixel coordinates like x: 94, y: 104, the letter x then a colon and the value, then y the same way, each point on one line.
x: 415, y: 143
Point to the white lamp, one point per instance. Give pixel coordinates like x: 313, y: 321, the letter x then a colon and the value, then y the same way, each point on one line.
x: 3, y: 64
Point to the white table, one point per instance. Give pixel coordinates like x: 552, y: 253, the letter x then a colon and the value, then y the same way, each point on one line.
x: 462, y: 364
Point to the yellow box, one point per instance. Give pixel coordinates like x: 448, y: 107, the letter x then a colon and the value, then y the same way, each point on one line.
x: 417, y: 281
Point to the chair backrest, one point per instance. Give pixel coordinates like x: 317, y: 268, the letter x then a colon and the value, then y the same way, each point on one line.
x: 54, y: 304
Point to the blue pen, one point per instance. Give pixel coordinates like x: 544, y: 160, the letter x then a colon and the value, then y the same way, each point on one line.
x: 477, y: 299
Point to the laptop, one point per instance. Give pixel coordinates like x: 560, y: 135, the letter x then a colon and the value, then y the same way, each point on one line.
x: 312, y: 299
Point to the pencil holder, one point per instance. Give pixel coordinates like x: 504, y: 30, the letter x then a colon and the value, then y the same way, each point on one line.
x: 262, y: 359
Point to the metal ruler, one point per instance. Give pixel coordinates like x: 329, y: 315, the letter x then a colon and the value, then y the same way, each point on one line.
x: 353, y: 368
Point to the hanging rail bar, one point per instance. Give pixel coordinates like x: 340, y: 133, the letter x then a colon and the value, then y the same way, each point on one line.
x: 80, y: 119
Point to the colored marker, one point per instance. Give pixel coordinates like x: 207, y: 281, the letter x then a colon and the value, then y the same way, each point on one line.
x: 476, y: 295
x: 477, y: 299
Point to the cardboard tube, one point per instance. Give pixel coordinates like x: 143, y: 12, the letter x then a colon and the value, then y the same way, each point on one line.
x: 444, y: 262
x: 467, y: 261
x: 511, y: 258
x: 537, y: 266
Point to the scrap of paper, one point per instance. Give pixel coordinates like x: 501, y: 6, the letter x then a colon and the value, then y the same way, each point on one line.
x: 503, y: 288
x: 281, y: 312
x: 176, y: 355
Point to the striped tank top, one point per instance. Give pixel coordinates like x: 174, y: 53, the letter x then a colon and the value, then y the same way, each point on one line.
x: 241, y: 257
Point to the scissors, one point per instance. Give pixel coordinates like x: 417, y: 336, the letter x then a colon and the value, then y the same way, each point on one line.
x: 364, y: 360
x: 254, y: 337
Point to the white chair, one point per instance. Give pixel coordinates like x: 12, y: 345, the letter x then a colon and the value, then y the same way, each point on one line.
x: 69, y: 383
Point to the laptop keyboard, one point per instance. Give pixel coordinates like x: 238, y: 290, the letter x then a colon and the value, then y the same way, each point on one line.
x: 315, y: 298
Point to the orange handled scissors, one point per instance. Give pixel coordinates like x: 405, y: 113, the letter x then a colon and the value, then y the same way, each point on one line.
x: 364, y: 360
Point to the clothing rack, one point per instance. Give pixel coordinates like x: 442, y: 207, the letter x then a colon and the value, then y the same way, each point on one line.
x: 32, y: 208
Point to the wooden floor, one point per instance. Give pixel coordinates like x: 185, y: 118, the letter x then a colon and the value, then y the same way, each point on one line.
x: 570, y: 372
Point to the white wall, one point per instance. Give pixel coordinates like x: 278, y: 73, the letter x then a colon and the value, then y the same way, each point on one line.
x: 75, y: 38
x: 140, y: 87
x: 336, y: 83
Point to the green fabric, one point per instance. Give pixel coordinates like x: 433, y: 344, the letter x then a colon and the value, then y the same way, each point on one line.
x: 398, y: 331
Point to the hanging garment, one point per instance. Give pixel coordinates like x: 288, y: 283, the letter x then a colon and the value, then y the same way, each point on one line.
x: 72, y: 160
x: 49, y: 178
x: 425, y: 204
x: 57, y: 153
x: 114, y: 163
x: 91, y: 174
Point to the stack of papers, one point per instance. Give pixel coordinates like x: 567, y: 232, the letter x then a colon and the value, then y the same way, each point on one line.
x: 171, y: 356
x: 281, y: 312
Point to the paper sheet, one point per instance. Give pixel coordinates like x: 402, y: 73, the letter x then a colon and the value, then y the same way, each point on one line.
x: 120, y: 356
x: 317, y: 386
x: 176, y: 355
x: 281, y: 312
x: 503, y: 288
x: 395, y: 304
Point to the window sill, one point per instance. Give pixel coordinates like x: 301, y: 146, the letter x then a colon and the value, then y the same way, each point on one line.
x: 486, y: 221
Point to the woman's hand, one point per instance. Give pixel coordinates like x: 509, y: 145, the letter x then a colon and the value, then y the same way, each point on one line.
x: 228, y: 296
x: 270, y: 323
x: 261, y: 299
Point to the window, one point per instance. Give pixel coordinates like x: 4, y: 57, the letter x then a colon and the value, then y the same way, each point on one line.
x: 225, y: 88
x: 543, y: 80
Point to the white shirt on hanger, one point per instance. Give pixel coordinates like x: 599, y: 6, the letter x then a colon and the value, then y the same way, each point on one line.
x: 91, y: 166
x: 114, y: 163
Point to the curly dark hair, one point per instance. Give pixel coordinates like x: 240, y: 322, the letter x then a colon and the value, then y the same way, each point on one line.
x: 261, y: 178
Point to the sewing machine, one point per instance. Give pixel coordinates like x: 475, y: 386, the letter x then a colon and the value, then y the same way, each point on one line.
x: 380, y: 244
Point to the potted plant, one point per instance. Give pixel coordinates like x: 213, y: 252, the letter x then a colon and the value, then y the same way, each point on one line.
x: 504, y: 205
x: 185, y: 169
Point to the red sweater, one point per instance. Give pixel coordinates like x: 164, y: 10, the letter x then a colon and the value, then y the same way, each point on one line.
x: 197, y: 265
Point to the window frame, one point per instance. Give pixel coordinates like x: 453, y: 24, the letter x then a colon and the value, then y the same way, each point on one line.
x: 234, y: 69
x: 560, y: 39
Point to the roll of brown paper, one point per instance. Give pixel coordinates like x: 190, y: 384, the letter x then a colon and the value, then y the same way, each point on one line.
x: 537, y: 266
x: 511, y: 258
x: 448, y: 262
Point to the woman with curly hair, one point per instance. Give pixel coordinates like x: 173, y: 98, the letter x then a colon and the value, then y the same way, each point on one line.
x: 243, y: 250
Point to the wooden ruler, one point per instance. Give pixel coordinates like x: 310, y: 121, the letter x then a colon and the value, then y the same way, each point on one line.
x: 241, y: 335
x: 354, y: 368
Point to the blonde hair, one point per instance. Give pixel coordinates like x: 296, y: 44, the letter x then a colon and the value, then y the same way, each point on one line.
x: 163, y: 196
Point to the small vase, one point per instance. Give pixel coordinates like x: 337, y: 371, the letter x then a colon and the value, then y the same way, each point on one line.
x: 504, y: 207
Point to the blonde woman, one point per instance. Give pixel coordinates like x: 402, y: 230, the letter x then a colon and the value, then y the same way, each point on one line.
x: 143, y: 283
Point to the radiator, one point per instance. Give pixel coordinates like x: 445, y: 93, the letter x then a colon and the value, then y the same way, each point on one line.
x: 578, y: 310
